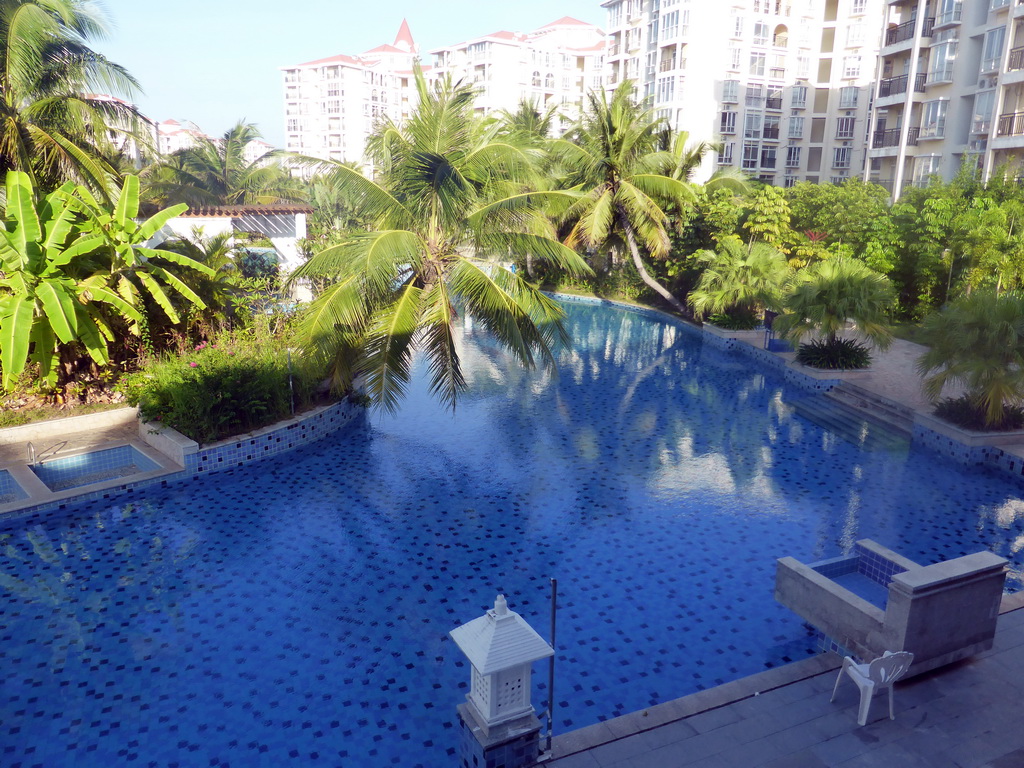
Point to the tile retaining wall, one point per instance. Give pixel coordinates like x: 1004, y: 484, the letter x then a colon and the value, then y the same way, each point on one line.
x: 226, y: 455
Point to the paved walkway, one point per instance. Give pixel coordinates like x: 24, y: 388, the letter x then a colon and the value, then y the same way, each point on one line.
x: 965, y: 715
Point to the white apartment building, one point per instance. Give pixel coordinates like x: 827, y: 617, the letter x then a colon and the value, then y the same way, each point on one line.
x: 331, y: 104
x: 950, y: 90
x: 783, y: 85
x: 555, y: 65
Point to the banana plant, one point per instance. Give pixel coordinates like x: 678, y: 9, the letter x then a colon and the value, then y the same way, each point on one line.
x: 136, y: 269
x: 47, y: 296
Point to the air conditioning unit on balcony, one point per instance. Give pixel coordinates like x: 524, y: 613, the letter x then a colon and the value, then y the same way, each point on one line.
x: 978, y: 145
x: 987, y: 82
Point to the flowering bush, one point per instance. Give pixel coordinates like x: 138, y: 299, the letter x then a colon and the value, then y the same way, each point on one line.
x: 219, y: 390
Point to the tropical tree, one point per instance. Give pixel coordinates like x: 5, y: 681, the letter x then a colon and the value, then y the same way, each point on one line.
x: 451, y: 204
x: 220, y: 255
x: 612, y: 159
x: 829, y: 293
x: 217, y: 172
x: 70, y: 272
x: 977, y: 342
x: 52, y: 127
x: 741, y: 278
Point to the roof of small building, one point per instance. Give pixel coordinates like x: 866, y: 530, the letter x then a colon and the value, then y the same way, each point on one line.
x: 236, y: 211
x: 500, y: 639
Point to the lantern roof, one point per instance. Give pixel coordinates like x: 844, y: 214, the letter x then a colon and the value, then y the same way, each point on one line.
x: 499, y: 640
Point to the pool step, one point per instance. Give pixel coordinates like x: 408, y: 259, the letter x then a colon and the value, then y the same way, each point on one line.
x: 873, y: 407
x: 849, y: 424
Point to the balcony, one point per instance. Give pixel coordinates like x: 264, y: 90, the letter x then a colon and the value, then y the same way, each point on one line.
x: 1010, y: 124
x: 905, y: 31
x: 771, y: 133
x: 940, y: 76
x: 667, y: 65
x: 773, y: 102
x: 1016, y: 60
x: 893, y: 86
x: 891, y: 138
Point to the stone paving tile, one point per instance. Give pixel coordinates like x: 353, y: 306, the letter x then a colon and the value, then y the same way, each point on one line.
x: 804, y: 759
x: 1013, y: 759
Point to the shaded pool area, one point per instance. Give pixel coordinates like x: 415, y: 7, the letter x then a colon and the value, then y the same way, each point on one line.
x: 296, y: 613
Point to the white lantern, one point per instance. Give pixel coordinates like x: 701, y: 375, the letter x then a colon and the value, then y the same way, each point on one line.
x: 501, y: 647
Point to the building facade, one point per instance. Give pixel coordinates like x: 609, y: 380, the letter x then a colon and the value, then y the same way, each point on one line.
x: 950, y: 91
x: 332, y: 104
x: 554, y: 66
x: 784, y: 86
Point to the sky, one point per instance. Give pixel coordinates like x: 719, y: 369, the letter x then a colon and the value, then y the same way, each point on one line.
x: 215, y: 62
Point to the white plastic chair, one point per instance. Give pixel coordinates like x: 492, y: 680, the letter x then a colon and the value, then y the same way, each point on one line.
x: 875, y: 676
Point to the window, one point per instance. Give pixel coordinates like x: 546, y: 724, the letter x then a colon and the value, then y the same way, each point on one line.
x: 789, y: 181
x: 845, y: 127
x: 855, y: 34
x: 755, y: 97
x: 859, y: 6
x: 549, y: 82
x: 750, y: 155
x: 728, y: 123
x: 942, y: 58
x: 760, y: 33
x: 615, y: 15
x: 949, y: 12
x: 752, y: 126
x: 924, y: 168
x: 793, y: 157
x: 535, y: 80
x: 848, y: 97
x: 737, y: 28
x: 735, y: 55
x: 799, y: 98
x: 684, y: 23
x: 851, y: 66
x: 803, y: 65
x: 666, y: 89
x: 731, y: 91
x: 768, y: 155
x: 981, y: 121
x: 841, y: 157
x: 933, y: 119
x: 670, y: 25
x: 757, y: 64
x: 770, y: 129
x: 796, y: 127
x: 994, y: 40
x: 725, y: 156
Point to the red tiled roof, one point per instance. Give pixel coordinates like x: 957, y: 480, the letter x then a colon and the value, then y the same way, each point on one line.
x: 339, y: 59
x: 405, y: 35
x: 385, y: 49
x: 234, y: 211
x: 566, y: 21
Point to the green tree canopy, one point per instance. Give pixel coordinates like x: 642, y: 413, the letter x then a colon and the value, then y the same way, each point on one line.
x: 452, y: 203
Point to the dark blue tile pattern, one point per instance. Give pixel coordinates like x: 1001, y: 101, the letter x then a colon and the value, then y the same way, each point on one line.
x: 93, y: 467
x: 875, y: 566
x: 296, y: 612
x: 9, y: 488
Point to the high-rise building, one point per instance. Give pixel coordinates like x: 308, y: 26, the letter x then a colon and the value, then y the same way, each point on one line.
x: 555, y: 65
x: 784, y: 86
x: 331, y: 104
x: 950, y: 90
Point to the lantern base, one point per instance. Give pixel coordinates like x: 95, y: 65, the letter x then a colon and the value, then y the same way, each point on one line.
x: 515, y: 744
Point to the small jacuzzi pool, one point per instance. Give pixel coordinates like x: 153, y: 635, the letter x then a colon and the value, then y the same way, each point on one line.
x: 94, y: 467
x: 9, y: 488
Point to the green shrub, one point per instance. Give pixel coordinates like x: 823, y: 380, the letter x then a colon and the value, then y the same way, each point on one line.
x: 966, y: 413
x: 834, y: 355
x: 219, y: 390
x: 736, y: 320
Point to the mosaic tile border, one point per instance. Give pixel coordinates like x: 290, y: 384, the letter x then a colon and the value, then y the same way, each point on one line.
x: 300, y: 431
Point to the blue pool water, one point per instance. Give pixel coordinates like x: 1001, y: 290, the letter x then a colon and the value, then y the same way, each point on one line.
x: 297, y: 613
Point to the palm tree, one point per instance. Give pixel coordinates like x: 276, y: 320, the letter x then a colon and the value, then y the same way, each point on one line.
x: 217, y: 172
x: 829, y: 293
x: 219, y: 254
x: 51, y: 127
x: 740, y: 277
x: 451, y: 204
x: 612, y: 158
x: 978, y: 342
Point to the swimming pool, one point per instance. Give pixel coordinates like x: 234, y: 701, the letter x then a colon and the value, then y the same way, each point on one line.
x: 296, y: 613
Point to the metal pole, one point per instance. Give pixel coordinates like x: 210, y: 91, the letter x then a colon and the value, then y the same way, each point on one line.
x: 551, y: 663
x: 291, y: 387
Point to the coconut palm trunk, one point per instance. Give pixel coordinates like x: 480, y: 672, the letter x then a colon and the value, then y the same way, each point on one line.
x: 641, y: 268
